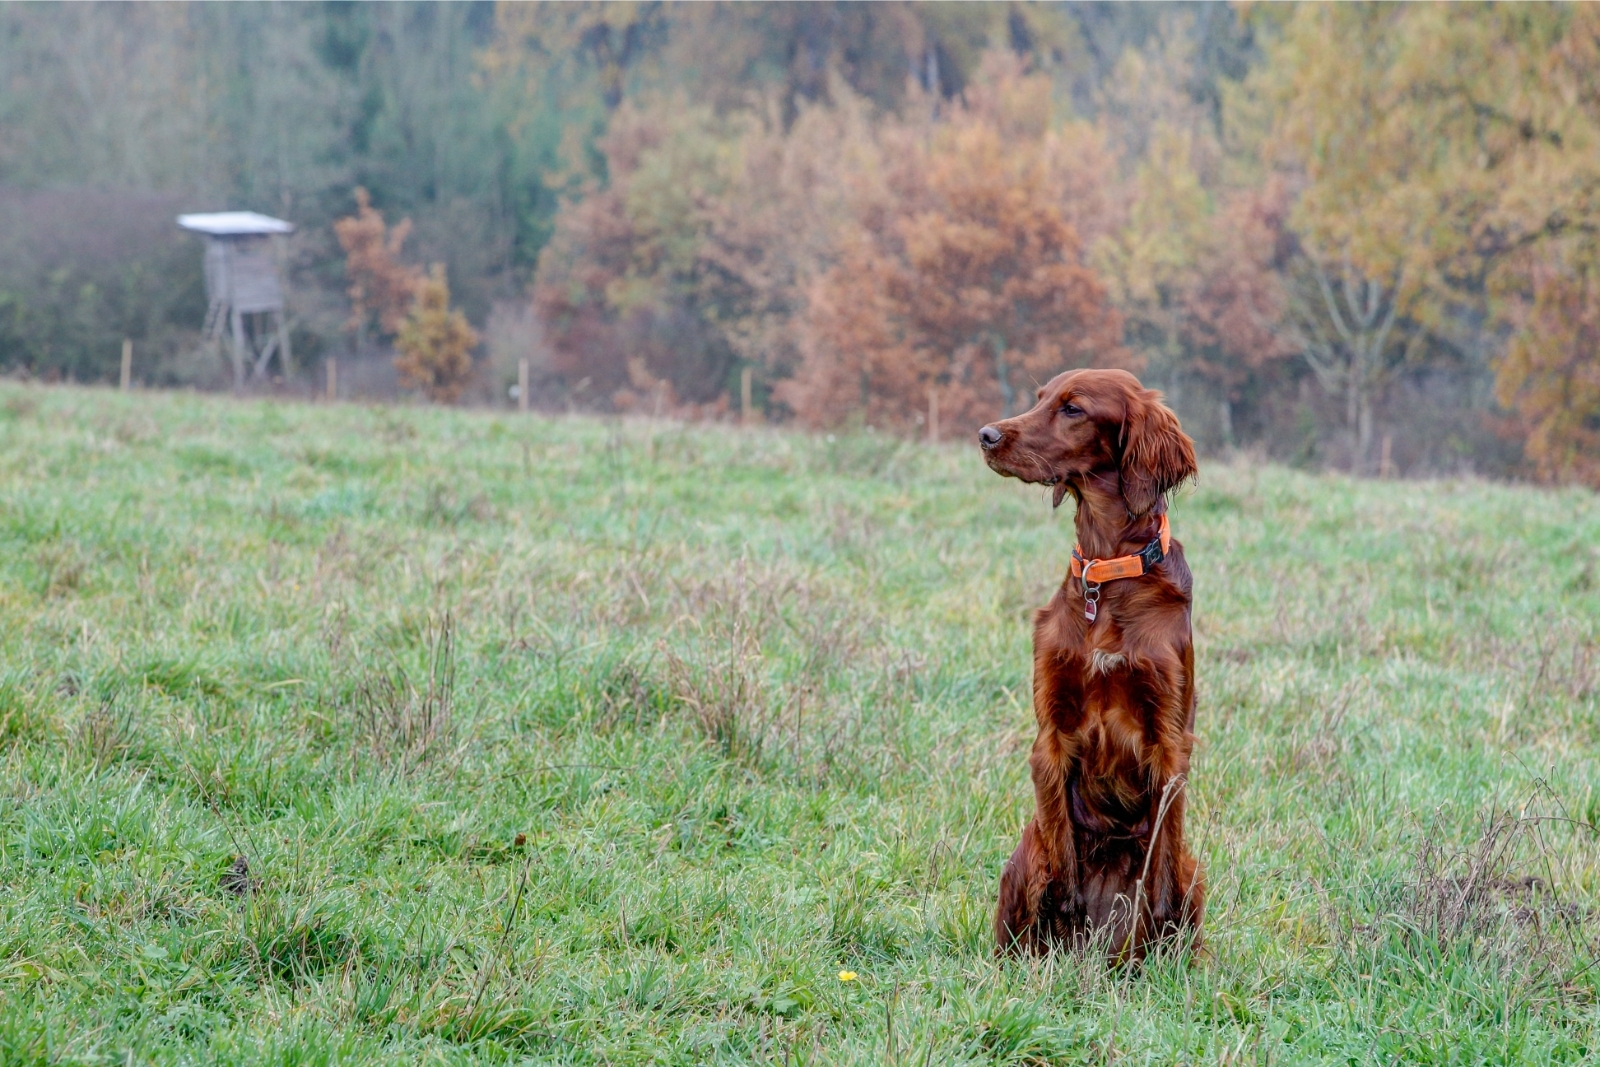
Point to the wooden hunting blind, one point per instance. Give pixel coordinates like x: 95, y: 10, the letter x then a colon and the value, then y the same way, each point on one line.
x: 242, y: 280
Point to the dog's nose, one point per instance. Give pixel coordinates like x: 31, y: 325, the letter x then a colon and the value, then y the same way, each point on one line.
x: 988, y: 437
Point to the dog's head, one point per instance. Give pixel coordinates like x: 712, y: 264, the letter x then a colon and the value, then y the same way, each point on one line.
x: 1089, y: 423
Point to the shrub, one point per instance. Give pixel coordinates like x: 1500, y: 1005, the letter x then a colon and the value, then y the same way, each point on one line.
x: 435, y: 343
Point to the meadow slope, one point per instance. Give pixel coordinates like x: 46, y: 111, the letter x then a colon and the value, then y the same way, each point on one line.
x: 581, y: 741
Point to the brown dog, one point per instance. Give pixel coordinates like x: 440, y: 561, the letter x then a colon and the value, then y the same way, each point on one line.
x: 1103, y: 860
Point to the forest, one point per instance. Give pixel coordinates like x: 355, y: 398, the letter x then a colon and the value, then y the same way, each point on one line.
x: 1364, y: 237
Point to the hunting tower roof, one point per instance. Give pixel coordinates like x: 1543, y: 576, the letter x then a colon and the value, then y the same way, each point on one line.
x: 234, y: 223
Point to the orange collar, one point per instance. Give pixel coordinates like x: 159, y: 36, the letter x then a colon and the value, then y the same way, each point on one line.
x: 1095, y: 571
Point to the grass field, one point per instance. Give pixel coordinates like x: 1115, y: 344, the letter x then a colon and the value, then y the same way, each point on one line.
x: 565, y: 740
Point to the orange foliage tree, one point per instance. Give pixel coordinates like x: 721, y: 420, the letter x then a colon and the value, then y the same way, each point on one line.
x: 435, y: 343
x: 951, y: 241
x: 1550, y: 375
x: 967, y: 278
x: 381, y: 287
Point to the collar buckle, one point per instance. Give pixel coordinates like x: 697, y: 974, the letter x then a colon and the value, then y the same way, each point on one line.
x: 1152, y: 555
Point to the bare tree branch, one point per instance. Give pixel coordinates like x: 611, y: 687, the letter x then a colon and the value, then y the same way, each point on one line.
x: 1332, y: 302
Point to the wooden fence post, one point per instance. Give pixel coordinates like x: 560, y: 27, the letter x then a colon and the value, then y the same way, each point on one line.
x: 522, y: 385
x: 127, y: 364
x: 744, y: 396
x: 333, y: 378
x: 933, y: 414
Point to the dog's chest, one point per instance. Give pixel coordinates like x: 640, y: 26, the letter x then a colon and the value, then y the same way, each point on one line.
x: 1109, y: 731
x: 1107, y: 769
x: 1090, y: 682
x: 1102, y: 662
x: 1110, y: 743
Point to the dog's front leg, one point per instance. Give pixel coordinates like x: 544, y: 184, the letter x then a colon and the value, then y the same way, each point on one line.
x: 1038, y: 902
x: 1039, y: 892
x: 1169, y: 870
x: 1160, y: 883
x: 1016, y: 916
x: 1056, y: 884
x: 1039, y: 887
x: 1163, y: 882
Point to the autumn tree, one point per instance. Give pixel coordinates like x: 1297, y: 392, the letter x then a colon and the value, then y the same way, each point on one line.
x: 1357, y: 287
x: 434, y: 342
x: 693, y: 261
x: 1234, y: 302
x: 382, y: 289
x: 1152, y: 260
x: 745, y: 240
x: 1193, y: 244
x: 1550, y: 375
x: 1451, y: 154
x: 966, y: 278
x: 1549, y: 284
x: 623, y: 288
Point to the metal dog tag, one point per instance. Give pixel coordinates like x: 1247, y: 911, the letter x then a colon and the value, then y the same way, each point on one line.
x: 1091, y: 608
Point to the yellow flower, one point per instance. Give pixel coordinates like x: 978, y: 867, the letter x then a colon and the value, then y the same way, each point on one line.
x: 847, y: 976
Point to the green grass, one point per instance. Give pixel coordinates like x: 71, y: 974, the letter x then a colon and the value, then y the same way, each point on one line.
x: 564, y: 740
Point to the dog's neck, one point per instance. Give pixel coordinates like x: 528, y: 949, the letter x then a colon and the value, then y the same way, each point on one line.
x: 1105, y: 528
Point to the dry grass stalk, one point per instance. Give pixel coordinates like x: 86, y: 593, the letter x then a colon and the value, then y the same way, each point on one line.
x: 1486, y: 899
x: 723, y: 687
x: 108, y: 731
x: 1317, y: 741
x: 404, y: 727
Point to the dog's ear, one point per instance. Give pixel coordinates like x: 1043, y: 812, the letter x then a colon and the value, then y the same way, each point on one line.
x: 1156, y: 454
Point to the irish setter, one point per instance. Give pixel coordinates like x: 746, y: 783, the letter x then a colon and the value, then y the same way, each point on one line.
x: 1103, y: 859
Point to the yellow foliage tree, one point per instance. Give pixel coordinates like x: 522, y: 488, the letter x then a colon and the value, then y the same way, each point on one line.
x: 1153, y: 261
x: 1452, y: 155
x: 435, y: 343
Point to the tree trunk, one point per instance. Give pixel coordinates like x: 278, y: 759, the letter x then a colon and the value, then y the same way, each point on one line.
x: 1352, y: 420
x: 1002, y: 373
x: 1364, y: 432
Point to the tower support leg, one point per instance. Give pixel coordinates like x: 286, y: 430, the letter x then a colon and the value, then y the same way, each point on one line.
x: 285, y: 360
x: 238, y: 351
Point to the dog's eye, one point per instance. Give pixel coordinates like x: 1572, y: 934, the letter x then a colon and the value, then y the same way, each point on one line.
x: 1070, y: 409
